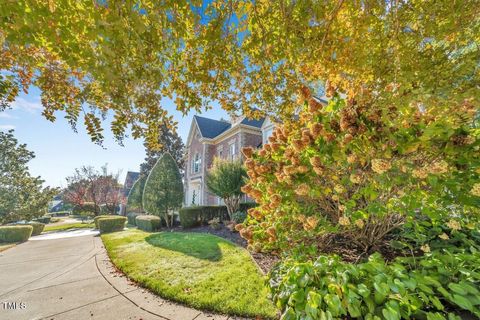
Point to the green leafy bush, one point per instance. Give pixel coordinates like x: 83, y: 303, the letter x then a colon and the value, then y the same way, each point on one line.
x: 111, y: 223
x: 37, y: 227
x: 239, y: 216
x: 131, y: 216
x: 148, y: 223
x: 15, y: 233
x: 200, y: 215
x: 95, y: 220
x: 44, y: 219
x: 225, y: 179
x: 428, y: 287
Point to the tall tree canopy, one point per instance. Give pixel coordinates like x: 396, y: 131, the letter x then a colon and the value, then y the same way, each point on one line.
x: 168, y: 141
x: 92, y: 57
x: 21, y: 195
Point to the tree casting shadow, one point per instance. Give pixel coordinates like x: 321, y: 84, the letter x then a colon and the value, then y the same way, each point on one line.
x: 199, y: 246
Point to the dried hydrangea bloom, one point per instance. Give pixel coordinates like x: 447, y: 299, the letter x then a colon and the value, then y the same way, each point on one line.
x: 359, y: 223
x: 420, y: 173
x: 425, y: 248
x: 247, y: 152
x: 380, y: 166
x: 444, y: 236
x: 344, y: 221
x: 438, y: 167
x: 355, y: 178
x: 303, y: 189
x: 475, y: 190
x: 454, y: 225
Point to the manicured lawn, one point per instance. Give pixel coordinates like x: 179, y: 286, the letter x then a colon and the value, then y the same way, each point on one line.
x: 4, y: 246
x: 199, y: 270
x: 68, y: 226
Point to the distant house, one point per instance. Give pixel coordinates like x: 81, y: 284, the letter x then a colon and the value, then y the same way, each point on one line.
x: 129, y: 181
x: 210, y: 138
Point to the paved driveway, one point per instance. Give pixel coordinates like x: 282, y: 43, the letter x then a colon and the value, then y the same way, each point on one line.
x: 72, y: 278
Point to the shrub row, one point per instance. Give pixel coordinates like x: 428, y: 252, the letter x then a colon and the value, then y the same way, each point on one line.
x: 148, y: 223
x: 111, y: 223
x: 427, y: 287
x: 37, y: 227
x: 200, y: 215
x: 131, y: 218
x: 18, y: 233
x: 97, y: 218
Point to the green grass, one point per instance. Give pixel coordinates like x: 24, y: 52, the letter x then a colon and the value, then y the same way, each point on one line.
x: 68, y: 226
x: 199, y: 270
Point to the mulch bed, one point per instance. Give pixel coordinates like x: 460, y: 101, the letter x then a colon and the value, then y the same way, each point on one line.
x: 264, y: 261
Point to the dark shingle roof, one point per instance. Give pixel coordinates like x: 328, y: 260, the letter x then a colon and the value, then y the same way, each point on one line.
x: 210, y: 128
x: 253, y: 122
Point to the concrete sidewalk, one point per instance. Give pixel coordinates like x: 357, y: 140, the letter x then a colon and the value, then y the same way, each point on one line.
x: 72, y: 278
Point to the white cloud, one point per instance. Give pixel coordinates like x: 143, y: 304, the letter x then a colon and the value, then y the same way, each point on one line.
x: 24, y: 104
x: 6, y: 127
x: 4, y: 115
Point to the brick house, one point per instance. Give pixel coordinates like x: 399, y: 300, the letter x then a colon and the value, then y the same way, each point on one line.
x: 210, y: 138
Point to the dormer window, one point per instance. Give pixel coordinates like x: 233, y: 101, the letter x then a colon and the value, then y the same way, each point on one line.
x: 196, y: 163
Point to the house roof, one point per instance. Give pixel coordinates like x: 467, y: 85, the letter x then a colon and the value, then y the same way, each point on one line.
x: 253, y: 122
x: 210, y: 128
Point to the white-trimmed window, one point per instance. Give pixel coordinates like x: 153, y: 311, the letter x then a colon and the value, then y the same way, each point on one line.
x: 266, y: 134
x: 196, y: 163
x: 232, y: 151
x: 220, y: 152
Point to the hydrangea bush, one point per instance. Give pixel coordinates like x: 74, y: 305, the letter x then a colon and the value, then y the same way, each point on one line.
x: 352, y: 169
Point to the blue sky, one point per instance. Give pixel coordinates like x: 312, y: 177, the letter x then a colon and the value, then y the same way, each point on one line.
x: 59, y: 150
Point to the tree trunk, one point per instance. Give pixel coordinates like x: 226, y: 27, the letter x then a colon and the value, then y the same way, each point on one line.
x: 232, y: 204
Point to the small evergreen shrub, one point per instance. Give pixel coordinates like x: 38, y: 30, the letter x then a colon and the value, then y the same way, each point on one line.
x: 95, y: 220
x: 37, y: 227
x: 15, y: 233
x: 239, y: 216
x: 111, y: 224
x: 131, y: 216
x: 148, y: 223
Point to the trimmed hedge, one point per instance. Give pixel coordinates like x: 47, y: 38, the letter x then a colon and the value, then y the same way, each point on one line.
x: 15, y: 233
x: 131, y: 216
x: 200, y: 215
x: 44, y: 219
x: 111, y: 224
x: 95, y: 220
x: 148, y: 223
x: 37, y: 227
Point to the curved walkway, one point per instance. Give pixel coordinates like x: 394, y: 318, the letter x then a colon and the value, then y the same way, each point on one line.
x: 73, y: 278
